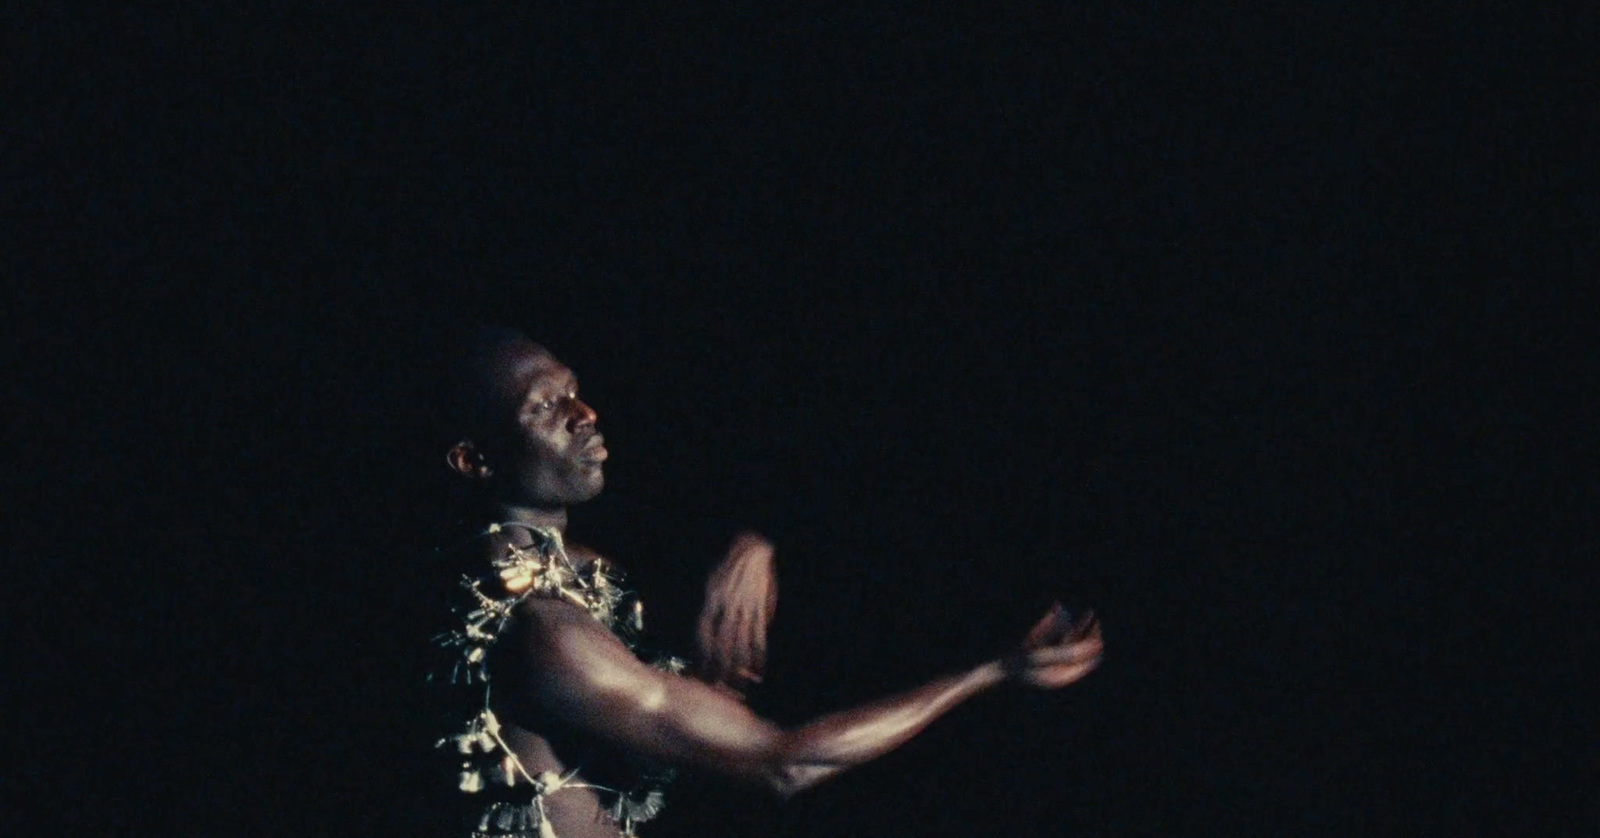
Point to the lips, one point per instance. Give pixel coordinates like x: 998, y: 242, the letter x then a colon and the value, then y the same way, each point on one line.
x: 594, y: 450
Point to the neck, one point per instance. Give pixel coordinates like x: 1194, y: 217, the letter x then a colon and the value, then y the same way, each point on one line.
x: 536, y: 516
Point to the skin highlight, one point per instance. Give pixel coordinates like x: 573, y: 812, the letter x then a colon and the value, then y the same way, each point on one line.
x: 557, y: 666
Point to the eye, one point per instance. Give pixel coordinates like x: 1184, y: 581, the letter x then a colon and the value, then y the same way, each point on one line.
x: 547, y: 405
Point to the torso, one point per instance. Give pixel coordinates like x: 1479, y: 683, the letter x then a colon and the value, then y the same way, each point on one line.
x: 544, y: 744
x: 574, y: 812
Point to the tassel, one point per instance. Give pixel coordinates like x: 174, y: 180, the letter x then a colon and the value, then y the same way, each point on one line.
x: 540, y: 569
x: 545, y: 829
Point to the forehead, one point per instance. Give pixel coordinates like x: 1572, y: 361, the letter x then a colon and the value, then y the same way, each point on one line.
x: 530, y: 367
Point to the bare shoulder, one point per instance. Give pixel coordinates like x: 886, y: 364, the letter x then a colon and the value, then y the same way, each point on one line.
x: 545, y: 618
x: 576, y: 666
x: 555, y: 634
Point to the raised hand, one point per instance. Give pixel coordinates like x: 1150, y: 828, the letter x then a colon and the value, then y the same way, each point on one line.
x: 1057, y: 651
x: 741, y: 599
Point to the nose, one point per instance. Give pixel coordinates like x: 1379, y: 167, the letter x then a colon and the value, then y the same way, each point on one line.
x: 582, y: 414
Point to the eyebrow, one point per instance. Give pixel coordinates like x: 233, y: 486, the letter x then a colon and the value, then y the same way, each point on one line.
x: 543, y: 380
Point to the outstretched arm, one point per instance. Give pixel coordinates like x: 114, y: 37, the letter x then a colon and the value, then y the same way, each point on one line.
x: 581, y: 673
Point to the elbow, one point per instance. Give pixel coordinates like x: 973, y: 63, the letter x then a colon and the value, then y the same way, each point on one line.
x: 786, y: 778
x: 782, y: 771
x: 784, y: 782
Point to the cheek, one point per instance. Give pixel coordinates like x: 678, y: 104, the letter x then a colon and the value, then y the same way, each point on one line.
x: 534, y: 434
x: 540, y: 449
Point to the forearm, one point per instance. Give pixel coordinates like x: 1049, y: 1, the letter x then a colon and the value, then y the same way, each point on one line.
x: 828, y: 745
x: 581, y: 674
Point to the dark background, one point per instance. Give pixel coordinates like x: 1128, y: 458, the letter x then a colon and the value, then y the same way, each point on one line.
x: 1264, y: 332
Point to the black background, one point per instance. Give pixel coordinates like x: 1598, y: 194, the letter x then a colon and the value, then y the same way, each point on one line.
x: 1262, y: 331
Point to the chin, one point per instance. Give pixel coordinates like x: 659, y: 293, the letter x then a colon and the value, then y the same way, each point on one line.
x: 591, y: 489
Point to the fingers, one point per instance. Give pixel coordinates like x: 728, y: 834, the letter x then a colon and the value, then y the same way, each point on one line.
x: 1075, y: 651
x: 712, y: 657
x: 1050, y: 629
x: 1067, y: 653
x: 1087, y: 626
x: 761, y: 622
x: 746, y: 664
x: 1057, y: 625
x: 758, y: 646
x: 1058, y: 667
x: 735, y: 648
x: 722, y: 647
x: 741, y: 597
x: 772, y: 593
x: 1061, y: 676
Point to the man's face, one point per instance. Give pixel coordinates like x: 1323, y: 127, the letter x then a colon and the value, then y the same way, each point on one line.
x: 552, y: 455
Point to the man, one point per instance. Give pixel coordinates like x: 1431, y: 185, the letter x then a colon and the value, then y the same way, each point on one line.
x: 571, y: 739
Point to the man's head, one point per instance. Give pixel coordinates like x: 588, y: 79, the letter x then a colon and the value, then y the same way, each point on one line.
x: 527, y: 438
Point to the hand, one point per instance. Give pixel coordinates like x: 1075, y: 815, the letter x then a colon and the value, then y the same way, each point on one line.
x: 741, y: 598
x: 1057, y: 652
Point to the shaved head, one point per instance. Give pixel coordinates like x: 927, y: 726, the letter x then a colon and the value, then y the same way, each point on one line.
x: 484, y: 382
x: 519, y: 429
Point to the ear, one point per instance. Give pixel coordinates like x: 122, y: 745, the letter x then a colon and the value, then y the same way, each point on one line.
x: 465, y: 459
